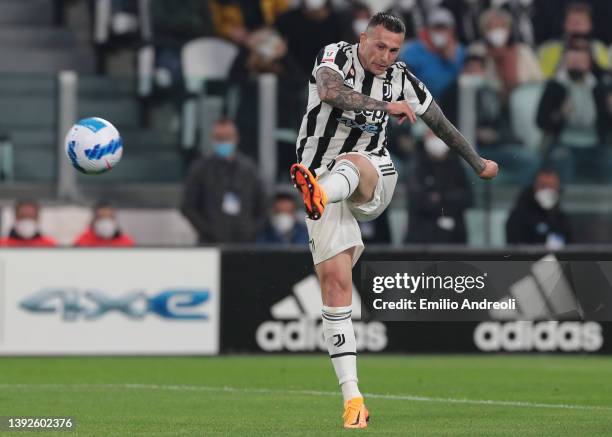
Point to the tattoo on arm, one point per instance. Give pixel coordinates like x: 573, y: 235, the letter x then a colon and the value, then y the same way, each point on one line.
x: 444, y: 129
x: 330, y: 86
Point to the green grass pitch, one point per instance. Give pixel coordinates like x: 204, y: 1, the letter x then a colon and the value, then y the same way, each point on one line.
x: 297, y: 395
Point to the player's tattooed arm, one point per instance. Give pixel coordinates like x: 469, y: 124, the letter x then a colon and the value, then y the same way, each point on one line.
x: 332, y: 90
x: 444, y: 129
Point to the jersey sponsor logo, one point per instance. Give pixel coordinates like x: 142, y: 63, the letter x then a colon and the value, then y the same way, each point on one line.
x: 297, y: 323
x: 350, y: 82
x: 366, y: 127
x: 373, y: 115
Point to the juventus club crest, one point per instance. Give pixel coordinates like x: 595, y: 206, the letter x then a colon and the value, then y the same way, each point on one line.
x: 387, y: 91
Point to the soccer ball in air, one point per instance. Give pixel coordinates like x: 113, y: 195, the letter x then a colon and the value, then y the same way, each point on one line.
x: 93, y: 145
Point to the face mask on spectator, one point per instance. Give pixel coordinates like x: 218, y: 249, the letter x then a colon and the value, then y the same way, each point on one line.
x: 266, y: 50
x: 282, y: 222
x: 225, y: 150
x: 435, y: 147
x: 575, y: 74
x: 546, y: 197
x: 26, y: 228
x: 313, y: 5
x: 498, y: 37
x: 268, y: 44
x: 360, y: 25
x: 105, y: 228
x: 439, y: 39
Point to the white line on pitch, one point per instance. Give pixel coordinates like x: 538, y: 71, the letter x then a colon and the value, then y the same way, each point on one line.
x: 302, y: 392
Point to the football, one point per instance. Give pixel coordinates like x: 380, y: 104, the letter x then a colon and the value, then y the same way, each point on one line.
x: 93, y: 145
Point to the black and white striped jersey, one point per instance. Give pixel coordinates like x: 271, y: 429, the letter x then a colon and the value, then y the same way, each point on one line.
x: 327, y: 132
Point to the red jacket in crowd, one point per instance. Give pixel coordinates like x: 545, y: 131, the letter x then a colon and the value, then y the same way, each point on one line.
x: 90, y: 239
x: 14, y: 240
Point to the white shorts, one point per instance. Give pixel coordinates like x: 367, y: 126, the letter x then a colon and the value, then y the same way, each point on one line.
x: 337, y: 230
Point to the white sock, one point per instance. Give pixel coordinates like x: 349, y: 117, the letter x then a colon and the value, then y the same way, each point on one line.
x: 340, y: 338
x: 341, y: 182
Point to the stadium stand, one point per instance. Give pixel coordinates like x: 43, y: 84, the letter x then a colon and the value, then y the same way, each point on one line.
x: 39, y: 44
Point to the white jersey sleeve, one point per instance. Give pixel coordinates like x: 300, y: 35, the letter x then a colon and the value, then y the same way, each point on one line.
x: 334, y: 56
x: 414, y: 91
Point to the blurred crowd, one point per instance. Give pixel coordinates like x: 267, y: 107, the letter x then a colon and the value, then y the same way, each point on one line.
x: 547, y: 61
x: 103, y: 229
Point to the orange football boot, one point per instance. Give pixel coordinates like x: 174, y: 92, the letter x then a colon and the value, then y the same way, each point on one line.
x: 355, y: 414
x: 312, y: 193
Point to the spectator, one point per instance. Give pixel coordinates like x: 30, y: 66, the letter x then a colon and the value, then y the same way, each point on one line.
x: 223, y: 197
x: 578, y: 22
x: 236, y: 19
x: 104, y: 230
x: 308, y: 29
x: 575, y: 113
x: 494, y: 135
x: 26, y: 229
x: 264, y: 52
x: 474, y: 67
x: 537, y: 217
x: 282, y: 226
x: 436, y: 57
x: 439, y: 194
x: 467, y: 15
x: 359, y: 18
x: 508, y: 63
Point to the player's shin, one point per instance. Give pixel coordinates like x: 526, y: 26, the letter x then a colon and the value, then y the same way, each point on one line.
x: 340, y: 338
x: 341, y: 182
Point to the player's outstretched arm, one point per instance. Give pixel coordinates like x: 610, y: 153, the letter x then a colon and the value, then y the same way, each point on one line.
x: 444, y: 129
x: 332, y: 90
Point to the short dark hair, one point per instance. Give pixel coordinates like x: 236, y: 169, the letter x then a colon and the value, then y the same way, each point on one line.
x: 102, y: 204
x: 224, y: 120
x: 19, y: 203
x: 390, y: 22
x: 284, y: 195
x: 578, y: 8
x: 474, y: 58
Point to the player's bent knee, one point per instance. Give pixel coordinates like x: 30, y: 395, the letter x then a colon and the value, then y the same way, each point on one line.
x: 368, y: 177
x: 363, y: 164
